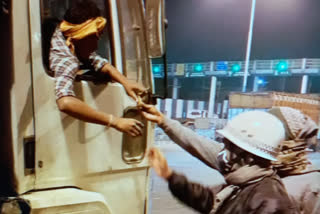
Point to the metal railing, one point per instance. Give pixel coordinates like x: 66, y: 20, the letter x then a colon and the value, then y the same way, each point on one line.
x: 303, y: 66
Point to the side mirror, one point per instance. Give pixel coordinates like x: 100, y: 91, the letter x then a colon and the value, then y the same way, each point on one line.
x: 156, y: 24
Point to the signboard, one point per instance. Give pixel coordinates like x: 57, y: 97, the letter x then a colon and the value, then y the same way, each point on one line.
x: 194, y: 74
x: 237, y: 74
x: 222, y: 66
x: 216, y: 73
x: 282, y: 73
x: 179, y: 70
x: 262, y: 72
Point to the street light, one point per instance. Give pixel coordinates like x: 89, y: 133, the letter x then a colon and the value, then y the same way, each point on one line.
x: 282, y: 66
x: 156, y: 69
x: 236, y: 68
x: 249, y: 41
x: 262, y: 81
x: 198, y: 67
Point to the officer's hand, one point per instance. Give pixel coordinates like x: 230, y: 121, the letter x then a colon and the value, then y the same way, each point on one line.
x: 159, y: 163
x: 150, y: 112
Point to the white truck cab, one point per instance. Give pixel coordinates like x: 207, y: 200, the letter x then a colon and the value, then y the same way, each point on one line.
x: 53, y: 162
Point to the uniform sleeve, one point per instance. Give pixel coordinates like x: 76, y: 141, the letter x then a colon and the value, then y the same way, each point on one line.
x: 305, y: 190
x: 97, y: 61
x: 202, y: 148
x: 273, y: 206
x: 192, y: 194
x: 272, y: 200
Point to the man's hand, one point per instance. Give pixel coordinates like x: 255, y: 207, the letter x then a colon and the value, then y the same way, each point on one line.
x: 150, y: 112
x: 134, y: 90
x: 159, y: 163
x: 129, y: 126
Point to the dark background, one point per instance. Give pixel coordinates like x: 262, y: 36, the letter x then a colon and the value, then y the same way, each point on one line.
x: 212, y: 30
x: 216, y: 30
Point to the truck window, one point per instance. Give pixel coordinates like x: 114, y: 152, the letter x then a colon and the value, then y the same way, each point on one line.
x: 52, y: 12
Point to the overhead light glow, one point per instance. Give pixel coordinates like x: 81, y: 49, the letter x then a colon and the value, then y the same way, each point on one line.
x: 282, y: 66
x: 236, y: 68
x: 156, y: 69
x: 198, y: 67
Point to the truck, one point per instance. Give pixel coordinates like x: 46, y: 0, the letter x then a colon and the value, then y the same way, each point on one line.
x: 309, y: 104
x: 49, y: 161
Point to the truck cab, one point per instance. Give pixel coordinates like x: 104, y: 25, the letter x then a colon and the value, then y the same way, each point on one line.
x: 56, y: 163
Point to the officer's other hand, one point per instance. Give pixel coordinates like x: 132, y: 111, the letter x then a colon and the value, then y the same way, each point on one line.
x: 159, y: 163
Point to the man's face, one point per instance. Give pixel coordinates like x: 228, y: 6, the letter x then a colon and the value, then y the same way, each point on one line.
x: 86, y: 46
x: 236, y: 156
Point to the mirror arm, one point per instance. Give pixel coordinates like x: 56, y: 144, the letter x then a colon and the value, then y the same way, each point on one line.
x: 153, y: 97
x: 165, y: 21
x: 165, y: 82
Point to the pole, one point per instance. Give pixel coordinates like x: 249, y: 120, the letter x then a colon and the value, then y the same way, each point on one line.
x: 305, y: 78
x: 212, y: 96
x: 249, y: 41
x: 304, y: 84
x: 175, y: 88
x: 255, y: 84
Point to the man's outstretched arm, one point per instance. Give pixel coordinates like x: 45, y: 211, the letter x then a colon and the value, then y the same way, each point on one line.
x: 202, y: 148
x: 192, y: 194
x: 82, y: 111
x: 132, y: 88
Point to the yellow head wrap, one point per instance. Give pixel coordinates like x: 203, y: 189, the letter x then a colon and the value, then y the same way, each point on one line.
x: 80, y: 31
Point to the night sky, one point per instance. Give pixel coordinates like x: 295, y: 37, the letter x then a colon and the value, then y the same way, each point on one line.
x: 212, y: 30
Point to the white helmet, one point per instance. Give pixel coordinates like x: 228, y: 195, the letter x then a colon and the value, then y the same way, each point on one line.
x: 257, y: 132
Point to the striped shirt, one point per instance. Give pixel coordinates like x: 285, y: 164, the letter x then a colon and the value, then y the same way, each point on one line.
x: 65, y: 65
